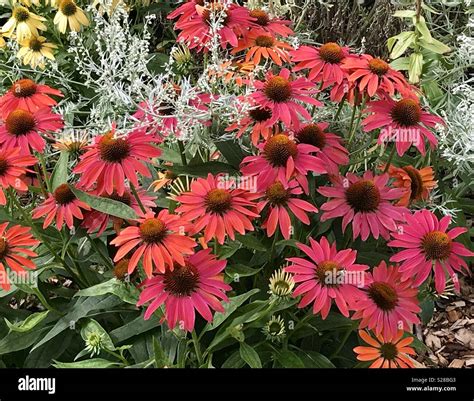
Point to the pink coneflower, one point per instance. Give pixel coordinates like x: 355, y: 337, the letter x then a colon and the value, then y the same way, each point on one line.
x: 373, y: 75
x: 273, y: 25
x: 345, y: 91
x: 214, y: 206
x: 13, y: 251
x: 95, y: 220
x: 365, y: 202
x: 12, y: 171
x: 197, y: 285
x: 280, y: 94
x: 430, y: 246
x: 196, y: 31
x: 27, y: 95
x: 63, y: 205
x: 111, y: 159
x: 331, y: 152
x: 403, y: 122
x: 161, y: 240
x: 386, y: 353
x: 22, y: 129
x: 390, y: 302
x: 324, y: 63
x: 281, y: 159
x: 327, y: 275
x: 186, y: 11
x: 280, y: 197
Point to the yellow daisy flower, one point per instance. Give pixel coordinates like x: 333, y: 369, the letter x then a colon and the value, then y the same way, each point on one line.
x: 34, y: 51
x: 70, y: 12
x: 25, y: 22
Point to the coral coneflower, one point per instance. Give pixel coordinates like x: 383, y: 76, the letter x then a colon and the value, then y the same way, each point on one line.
x: 164, y: 179
x: 23, y: 129
x: 430, y: 246
x: 417, y: 184
x: 35, y: 50
x: 113, y: 158
x: 261, y: 44
x: 366, y: 202
x: 197, y: 285
x: 27, y: 95
x: 331, y: 152
x: 273, y: 25
x: 216, y: 208
x: 23, y: 24
x: 160, y: 239
x: 63, y: 205
x: 95, y: 220
x: 69, y: 13
x: 281, y: 158
x: 403, y: 121
x: 12, y: 168
x: 391, y: 353
x: 327, y: 275
x: 280, y: 94
x: 390, y: 303
x: 374, y: 74
x: 186, y: 11
x: 324, y: 63
x: 12, y: 251
x: 279, y: 197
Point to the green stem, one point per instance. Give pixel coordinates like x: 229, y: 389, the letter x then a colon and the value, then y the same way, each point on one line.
x: 117, y: 355
x: 392, y: 153
x: 135, y: 194
x: 40, y: 179
x: 182, y: 152
x: 343, y: 342
x: 339, y: 109
x: 197, y: 347
x: 43, y: 167
x: 96, y: 248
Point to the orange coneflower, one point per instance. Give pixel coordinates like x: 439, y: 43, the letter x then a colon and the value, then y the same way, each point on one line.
x: 261, y: 44
x: 416, y: 183
x: 386, y: 354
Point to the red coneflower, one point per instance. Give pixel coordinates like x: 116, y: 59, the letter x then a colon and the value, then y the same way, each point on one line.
x: 365, y: 202
x: 63, y: 205
x: 280, y: 94
x: 417, y: 184
x: 404, y: 122
x: 429, y: 246
x: 331, y: 152
x: 27, y: 95
x: 12, y: 170
x: 280, y: 196
x: 390, y: 303
x: 161, y: 240
x: 324, y: 63
x: 186, y: 11
x: 273, y: 25
x: 386, y: 353
x: 111, y: 159
x: 281, y: 159
x: 13, y: 251
x: 328, y: 275
x: 197, y: 285
x: 214, y: 206
x: 22, y: 129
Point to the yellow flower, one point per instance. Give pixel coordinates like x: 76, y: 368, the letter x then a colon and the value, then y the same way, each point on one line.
x: 25, y: 22
x: 69, y: 12
x: 34, y: 51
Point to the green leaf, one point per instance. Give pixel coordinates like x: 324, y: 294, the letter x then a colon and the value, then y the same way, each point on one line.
x: 92, y: 326
x: 60, y: 173
x: 232, y: 152
x: 42, y: 357
x: 415, y: 67
x: 289, y: 359
x: 105, y: 205
x: 135, y: 327
x: 16, y: 341
x: 250, y: 356
x: 161, y: 360
x: 423, y: 29
x: 400, y: 64
x: 404, y: 13
x: 312, y: 359
x: 170, y: 155
x: 239, y: 270
x: 251, y: 242
x: 401, y: 43
x: 427, y: 309
x: 435, y: 46
x: 29, y: 323
x: 86, y: 364
x: 203, y: 169
x: 126, y: 293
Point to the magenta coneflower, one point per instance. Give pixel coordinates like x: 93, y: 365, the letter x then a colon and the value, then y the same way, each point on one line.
x: 366, y: 202
x: 328, y: 275
x: 27, y: 95
x: 63, y: 205
x: 160, y: 239
x: 197, y: 285
x: 111, y: 159
x: 390, y: 302
x: 331, y: 152
x: 22, y: 129
x: 430, y: 246
x: 403, y: 121
x: 273, y: 25
x: 280, y: 197
x: 280, y: 94
x: 281, y: 159
x: 213, y: 206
